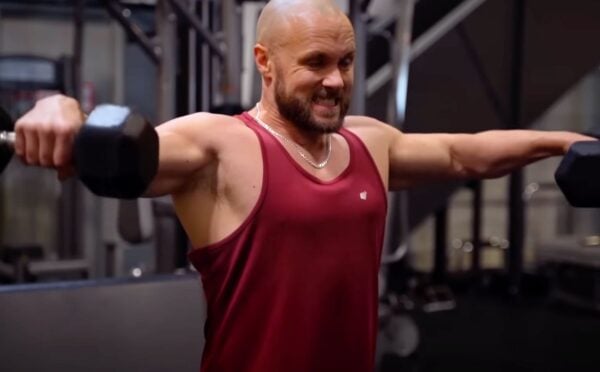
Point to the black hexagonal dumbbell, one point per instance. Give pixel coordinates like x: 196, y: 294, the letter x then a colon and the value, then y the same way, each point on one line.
x: 115, y: 153
x: 578, y: 176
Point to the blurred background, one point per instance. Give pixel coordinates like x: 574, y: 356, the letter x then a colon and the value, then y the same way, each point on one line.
x: 489, y: 275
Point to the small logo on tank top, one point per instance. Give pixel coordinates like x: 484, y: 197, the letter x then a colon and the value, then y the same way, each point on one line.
x: 363, y: 195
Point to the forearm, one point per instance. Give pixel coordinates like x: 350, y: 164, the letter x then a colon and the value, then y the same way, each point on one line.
x: 495, y: 153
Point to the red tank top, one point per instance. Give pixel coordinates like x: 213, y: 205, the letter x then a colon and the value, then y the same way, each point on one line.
x: 294, y: 288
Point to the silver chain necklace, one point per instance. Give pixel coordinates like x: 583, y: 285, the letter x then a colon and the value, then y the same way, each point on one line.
x: 299, y: 149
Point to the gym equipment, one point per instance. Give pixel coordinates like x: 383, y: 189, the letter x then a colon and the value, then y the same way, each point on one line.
x: 399, y: 336
x: 438, y: 298
x: 576, y: 175
x: 6, y: 126
x: 124, y: 318
x: 572, y: 265
x: 129, y: 165
x: 115, y: 153
x: 398, y: 331
x: 17, y: 259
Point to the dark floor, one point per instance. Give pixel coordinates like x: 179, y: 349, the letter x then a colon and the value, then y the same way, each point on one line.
x: 493, y: 333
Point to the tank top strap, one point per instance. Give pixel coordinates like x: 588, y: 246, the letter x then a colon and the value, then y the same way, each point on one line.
x: 360, y: 155
x: 251, y: 123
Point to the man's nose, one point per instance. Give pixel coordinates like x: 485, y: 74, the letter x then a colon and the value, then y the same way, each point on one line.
x: 334, y: 79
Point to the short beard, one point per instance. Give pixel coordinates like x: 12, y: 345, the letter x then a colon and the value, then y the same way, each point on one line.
x: 299, y: 113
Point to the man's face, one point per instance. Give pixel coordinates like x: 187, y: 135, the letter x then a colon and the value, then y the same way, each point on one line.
x: 313, y: 77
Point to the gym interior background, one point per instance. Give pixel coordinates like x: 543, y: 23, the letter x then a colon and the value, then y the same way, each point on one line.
x: 495, y: 276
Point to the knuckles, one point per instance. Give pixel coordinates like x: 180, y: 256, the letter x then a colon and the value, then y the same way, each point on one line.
x: 45, y: 133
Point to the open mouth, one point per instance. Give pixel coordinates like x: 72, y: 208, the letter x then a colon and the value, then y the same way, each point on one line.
x: 326, y: 101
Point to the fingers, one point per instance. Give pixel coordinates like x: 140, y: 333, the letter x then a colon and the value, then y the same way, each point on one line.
x: 19, y: 140
x: 31, y: 148
x: 45, y: 141
x: 61, y: 156
x: 44, y: 146
x: 44, y: 135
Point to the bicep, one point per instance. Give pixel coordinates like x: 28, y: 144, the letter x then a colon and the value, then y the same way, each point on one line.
x: 411, y: 159
x: 420, y: 158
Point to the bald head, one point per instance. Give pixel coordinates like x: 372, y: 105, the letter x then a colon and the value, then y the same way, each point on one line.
x: 280, y: 18
x: 305, y: 54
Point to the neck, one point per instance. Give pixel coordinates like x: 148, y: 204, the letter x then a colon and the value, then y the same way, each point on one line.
x: 313, y: 142
x: 306, y: 153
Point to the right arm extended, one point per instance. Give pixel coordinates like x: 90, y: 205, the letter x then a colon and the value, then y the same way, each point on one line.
x: 45, y: 135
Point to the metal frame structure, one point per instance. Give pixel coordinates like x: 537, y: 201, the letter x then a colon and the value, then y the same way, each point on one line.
x: 220, y: 43
x: 516, y: 211
x: 422, y: 43
x: 358, y: 17
x: 161, y: 50
x: 223, y: 45
x: 400, y: 47
x: 397, y: 72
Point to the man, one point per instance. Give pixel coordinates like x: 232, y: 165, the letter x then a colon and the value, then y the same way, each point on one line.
x: 285, y: 205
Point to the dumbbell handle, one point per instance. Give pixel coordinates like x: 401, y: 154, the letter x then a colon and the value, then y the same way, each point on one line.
x: 8, y: 139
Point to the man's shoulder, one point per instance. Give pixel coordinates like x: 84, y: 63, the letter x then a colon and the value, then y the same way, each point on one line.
x: 216, y: 131
x: 366, y: 126
x: 358, y: 122
x: 208, y: 119
x: 205, y: 123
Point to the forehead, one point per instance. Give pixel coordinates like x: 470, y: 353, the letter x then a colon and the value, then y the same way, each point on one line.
x: 333, y: 34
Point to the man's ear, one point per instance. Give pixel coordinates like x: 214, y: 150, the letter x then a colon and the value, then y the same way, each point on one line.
x: 262, y: 60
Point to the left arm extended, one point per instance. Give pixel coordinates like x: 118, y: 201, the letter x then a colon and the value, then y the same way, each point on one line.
x: 419, y: 158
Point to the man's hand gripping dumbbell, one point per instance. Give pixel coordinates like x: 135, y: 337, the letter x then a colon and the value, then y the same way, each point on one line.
x: 113, y: 151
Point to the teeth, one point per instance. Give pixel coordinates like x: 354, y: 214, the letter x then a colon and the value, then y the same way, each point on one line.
x: 326, y: 101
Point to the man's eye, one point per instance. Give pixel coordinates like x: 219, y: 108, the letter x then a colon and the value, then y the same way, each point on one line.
x: 314, y: 63
x: 346, y: 62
